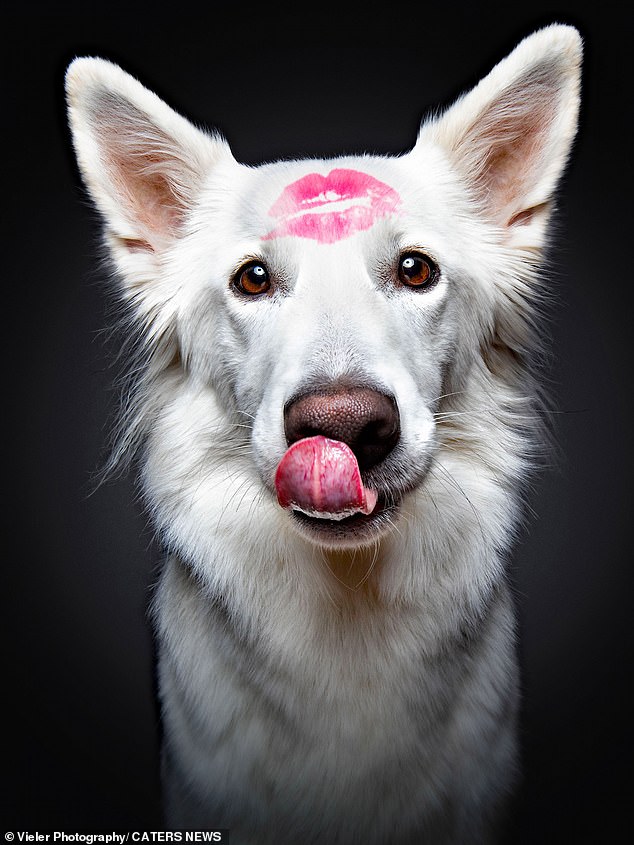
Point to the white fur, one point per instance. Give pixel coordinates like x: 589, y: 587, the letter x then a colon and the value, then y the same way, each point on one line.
x: 362, y: 689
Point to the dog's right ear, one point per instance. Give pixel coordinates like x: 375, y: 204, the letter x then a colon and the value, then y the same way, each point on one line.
x: 144, y: 165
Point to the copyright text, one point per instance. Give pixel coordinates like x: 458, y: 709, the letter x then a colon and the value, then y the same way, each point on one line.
x: 115, y: 838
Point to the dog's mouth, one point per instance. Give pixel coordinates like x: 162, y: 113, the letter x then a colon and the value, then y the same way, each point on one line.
x: 356, y: 529
x: 320, y: 482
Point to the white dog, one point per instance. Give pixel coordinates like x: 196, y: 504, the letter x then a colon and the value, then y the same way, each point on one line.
x: 335, y: 415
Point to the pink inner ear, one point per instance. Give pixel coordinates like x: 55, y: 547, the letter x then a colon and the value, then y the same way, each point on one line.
x: 505, y: 150
x: 146, y: 192
x: 151, y: 178
x: 515, y: 157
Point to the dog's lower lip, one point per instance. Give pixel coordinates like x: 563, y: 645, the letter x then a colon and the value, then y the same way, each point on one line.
x: 349, y: 523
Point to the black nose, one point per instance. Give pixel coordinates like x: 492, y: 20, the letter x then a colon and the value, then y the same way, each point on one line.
x: 366, y: 420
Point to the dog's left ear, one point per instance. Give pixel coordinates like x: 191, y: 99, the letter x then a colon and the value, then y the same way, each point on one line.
x: 510, y: 136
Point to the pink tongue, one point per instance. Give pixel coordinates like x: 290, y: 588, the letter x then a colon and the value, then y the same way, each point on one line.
x: 321, y: 478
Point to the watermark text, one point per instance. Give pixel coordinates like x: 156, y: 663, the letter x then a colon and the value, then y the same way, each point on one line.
x: 118, y: 838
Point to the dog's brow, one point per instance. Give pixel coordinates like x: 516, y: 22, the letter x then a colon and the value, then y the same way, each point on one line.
x: 332, y: 207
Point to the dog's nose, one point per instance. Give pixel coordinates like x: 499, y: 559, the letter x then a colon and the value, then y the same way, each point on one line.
x: 365, y: 419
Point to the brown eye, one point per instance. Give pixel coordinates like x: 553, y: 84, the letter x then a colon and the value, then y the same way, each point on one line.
x: 253, y: 279
x: 417, y: 270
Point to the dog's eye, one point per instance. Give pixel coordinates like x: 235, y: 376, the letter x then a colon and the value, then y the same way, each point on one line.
x: 253, y: 279
x: 416, y: 270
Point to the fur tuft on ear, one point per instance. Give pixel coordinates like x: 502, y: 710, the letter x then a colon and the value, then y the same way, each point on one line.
x: 142, y: 162
x: 510, y: 136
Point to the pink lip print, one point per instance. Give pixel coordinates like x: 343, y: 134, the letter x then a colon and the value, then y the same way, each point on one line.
x: 329, y: 208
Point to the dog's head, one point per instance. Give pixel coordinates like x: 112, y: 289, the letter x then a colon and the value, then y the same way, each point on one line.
x: 337, y: 316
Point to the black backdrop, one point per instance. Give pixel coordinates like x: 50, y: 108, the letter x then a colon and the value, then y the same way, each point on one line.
x: 81, y: 726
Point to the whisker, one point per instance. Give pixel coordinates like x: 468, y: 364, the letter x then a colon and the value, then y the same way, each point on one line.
x: 375, y: 557
x: 462, y: 492
x: 441, y: 415
x: 248, y: 482
x: 447, y: 395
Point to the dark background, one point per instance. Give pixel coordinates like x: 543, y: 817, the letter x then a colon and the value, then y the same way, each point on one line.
x: 81, y: 727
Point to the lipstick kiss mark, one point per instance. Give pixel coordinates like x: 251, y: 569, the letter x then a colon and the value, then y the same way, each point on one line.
x: 330, y: 208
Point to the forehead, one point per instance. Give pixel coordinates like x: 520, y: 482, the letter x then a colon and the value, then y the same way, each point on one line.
x: 332, y: 206
x: 343, y: 202
x: 320, y: 201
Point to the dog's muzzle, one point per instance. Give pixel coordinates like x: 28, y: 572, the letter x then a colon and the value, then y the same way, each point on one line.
x: 334, y: 435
